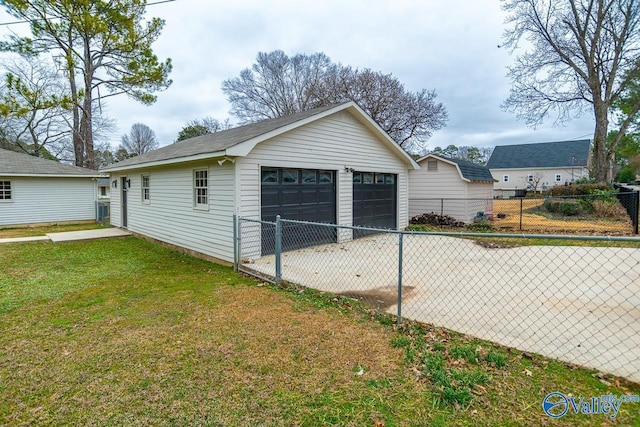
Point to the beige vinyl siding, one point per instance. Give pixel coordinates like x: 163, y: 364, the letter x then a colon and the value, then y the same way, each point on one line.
x: 170, y: 216
x: 40, y: 199
x: 115, y: 213
x: 444, y: 191
x: 334, y: 143
x: 518, y: 177
x: 427, y: 188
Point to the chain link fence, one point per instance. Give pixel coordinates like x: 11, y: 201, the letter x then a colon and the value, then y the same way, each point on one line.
x: 580, y: 304
x: 612, y: 213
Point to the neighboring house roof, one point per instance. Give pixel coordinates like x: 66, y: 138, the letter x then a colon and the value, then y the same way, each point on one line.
x: 20, y: 164
x: 541, y: 155
x: 471, y: 172
x: 241, y: 140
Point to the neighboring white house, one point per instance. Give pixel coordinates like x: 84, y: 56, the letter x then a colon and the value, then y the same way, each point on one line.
x: 537, y: 167
x: 331, y: 164
x: 451, y: 187
x: 35, y: 190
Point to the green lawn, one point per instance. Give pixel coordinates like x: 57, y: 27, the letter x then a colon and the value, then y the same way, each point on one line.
x: 125, y: 332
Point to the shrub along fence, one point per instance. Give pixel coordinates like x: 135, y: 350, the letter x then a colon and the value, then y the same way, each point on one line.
x: 579, y: 304
x: 602, y: 212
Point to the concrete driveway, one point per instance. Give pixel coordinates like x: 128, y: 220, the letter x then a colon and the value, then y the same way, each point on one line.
x: 577, y: 304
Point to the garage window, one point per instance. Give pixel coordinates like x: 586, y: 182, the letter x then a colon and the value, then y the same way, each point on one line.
x: 309, y: 177
x: 326, y: 177
x: 201, y: 189
x: 145, y: 189
x: 5, y: 191
x: 289, y: 176
x: 269, y: 176
x: 367, y: 178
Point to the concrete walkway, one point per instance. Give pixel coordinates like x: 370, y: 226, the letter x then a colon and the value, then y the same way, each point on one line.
x: 70, y: 236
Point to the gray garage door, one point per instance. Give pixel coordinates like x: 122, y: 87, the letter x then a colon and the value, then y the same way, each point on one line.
x: 300, y: 194
x: 374, y: 200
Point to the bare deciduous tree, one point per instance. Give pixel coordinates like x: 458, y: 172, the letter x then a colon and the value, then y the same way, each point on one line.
x: 139, y: 140
x: 41, y: 132
x: 202, y: 127
x: 577, y: 58
x: 277, y: 85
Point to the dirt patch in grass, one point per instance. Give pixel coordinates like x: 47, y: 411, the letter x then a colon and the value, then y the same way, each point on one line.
x: 380, y: 298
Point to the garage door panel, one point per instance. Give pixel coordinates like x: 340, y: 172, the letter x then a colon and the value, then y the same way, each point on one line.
x: 374, y: 201
x: 298, y: 194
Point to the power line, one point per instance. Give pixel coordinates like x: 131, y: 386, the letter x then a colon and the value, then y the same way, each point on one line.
x: 5, y: 24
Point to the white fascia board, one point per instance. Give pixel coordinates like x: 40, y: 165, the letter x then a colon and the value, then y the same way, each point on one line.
x: 44, y: 175
x: 375, y: 128
x: 204, y: 156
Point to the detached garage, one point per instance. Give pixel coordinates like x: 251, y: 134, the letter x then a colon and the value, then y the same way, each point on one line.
x: 332, y: 165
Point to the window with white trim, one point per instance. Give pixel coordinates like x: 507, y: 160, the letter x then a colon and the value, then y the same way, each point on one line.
x: 201, y: 188
x: 145, y: 188
x: 5, y: 191
x: 505, y: 178
x: 530, y: 177
x: 558, y: 177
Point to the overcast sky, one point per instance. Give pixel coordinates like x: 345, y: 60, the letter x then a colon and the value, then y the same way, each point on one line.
x: 450, y: 46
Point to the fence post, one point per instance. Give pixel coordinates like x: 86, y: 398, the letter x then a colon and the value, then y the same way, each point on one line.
x: 400, y: 240
x: 235, y: 242
x: 278, y: 250
x: 441, y: 207
x: 521, y: 213
x: 637, y: 209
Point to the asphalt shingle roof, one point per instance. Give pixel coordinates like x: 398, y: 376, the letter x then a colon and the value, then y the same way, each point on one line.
x: 541, y: 155
x: 473, y: 171
x: 217, y: 141
x: 12, y: 163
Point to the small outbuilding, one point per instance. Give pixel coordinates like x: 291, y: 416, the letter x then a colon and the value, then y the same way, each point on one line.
x: 331, y: 164
x: 35, y: 190
x: 452, y: 187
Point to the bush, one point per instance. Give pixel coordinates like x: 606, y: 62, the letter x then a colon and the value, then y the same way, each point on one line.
x: 569, y: 208
x: 577, y: 189
x: 484, y: 225
x: 551, y: 205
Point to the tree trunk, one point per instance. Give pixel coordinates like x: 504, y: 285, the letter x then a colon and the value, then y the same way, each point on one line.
x: 86, y: 121
x: 601, y: 159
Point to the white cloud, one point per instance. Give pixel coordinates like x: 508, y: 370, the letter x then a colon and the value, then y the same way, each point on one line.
x: 447, y: 45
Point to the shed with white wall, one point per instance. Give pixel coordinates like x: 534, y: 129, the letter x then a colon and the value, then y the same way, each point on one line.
x: 452, y: 187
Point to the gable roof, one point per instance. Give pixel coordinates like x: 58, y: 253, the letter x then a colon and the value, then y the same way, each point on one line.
x: 241, y: 140
x: 541, y: 155
x: 20, y: 164
x: 470, y: 172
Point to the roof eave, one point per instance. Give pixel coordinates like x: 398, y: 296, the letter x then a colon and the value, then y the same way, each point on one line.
x: 50, y: 175
x: 205, y: 156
